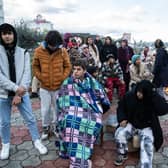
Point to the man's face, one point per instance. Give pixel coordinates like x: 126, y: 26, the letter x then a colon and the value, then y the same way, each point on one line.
x: 78, y: 72
x: 7, y: 37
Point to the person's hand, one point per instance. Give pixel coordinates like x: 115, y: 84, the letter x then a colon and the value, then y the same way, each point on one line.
x: 16, y: 100
x: 21, y: 91
x: 123, y: 123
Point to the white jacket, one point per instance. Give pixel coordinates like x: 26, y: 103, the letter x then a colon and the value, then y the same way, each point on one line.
x: 23, y: 71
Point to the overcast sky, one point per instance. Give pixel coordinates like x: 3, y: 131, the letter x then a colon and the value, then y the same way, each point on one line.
x: 144, y: 19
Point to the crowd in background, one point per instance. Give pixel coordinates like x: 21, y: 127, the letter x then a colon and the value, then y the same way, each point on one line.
x: 77, y: 81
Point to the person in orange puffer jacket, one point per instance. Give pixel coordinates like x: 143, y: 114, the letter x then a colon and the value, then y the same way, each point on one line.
x: 51, y: 65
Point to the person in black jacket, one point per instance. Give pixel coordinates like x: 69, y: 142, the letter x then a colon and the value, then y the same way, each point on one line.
x: 108, y: 48
x: 138, y: 112
x: 161, y: 67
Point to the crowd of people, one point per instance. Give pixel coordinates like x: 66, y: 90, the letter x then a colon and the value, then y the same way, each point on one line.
x: 76, y: 82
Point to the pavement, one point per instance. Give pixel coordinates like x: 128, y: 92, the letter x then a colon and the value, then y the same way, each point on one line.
x: 24, y: 155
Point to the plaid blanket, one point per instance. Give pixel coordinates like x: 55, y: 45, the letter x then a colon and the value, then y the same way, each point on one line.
x: 80, y: 118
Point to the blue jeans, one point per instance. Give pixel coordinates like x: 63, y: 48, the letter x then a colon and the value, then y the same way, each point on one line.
x: 25, y: 110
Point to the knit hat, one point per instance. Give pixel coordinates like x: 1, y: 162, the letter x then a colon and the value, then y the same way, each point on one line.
x: 134, y: 58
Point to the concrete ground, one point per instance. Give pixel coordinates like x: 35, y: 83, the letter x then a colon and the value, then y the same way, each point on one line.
x: 23, y: 153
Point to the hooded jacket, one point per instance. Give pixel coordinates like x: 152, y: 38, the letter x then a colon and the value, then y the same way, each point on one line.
x: 144, y: 113
x: 21, y: 62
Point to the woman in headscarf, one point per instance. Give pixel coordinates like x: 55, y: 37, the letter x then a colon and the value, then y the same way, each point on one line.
x: 138, y: 71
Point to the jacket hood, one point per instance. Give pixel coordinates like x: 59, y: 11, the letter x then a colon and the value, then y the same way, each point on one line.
x: 5, y: 27
x: 44, y: 44
x: 147, y: 88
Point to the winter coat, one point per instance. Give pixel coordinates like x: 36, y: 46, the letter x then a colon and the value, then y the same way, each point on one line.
x: 136, y: 113
x: 161, y: 68
x: 95, y: 55
x: 108, y: 71
x: 51, y: 69
x: 143, y: 74
x: 124, y: 55
x: 22, y: 67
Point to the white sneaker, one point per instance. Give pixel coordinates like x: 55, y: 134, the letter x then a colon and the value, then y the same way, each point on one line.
x: 89, y: 164
x: 5, y: 151
x: 40, y: 147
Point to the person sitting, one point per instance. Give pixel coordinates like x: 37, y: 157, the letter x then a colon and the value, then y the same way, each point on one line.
x: 93, y: 71
x: 138, y: 71
x: 112, y: 76
x: 80, y: 115
x: 85, y: 54
x: 138, y: 112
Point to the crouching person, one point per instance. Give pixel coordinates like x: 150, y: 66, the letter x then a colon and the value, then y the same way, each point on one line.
x: 139, y: 110
x: 80, y: 115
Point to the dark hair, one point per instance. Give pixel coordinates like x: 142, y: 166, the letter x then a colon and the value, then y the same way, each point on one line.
x: 81, y: 63
x: 159, y: 43
x: 92, y: 45
x: 54, y: 38
x: 92, y: 69
x: 145, y: 87
x: 108, y: 37
x: 6, y: 28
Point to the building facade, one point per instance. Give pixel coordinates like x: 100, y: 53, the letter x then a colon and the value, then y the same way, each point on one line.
x: 40, y: 24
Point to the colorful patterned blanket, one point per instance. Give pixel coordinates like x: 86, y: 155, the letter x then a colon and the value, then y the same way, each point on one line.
x: 79, y: 118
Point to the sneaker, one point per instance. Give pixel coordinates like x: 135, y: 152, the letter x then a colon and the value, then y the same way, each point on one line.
x: 120, y: 159
x: 89, y: 164
x: 40, y: 147
x: 5, y: 151
x: 45, y: 133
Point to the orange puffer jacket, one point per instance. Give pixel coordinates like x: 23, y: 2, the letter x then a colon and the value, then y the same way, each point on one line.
x: 51, y: 69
